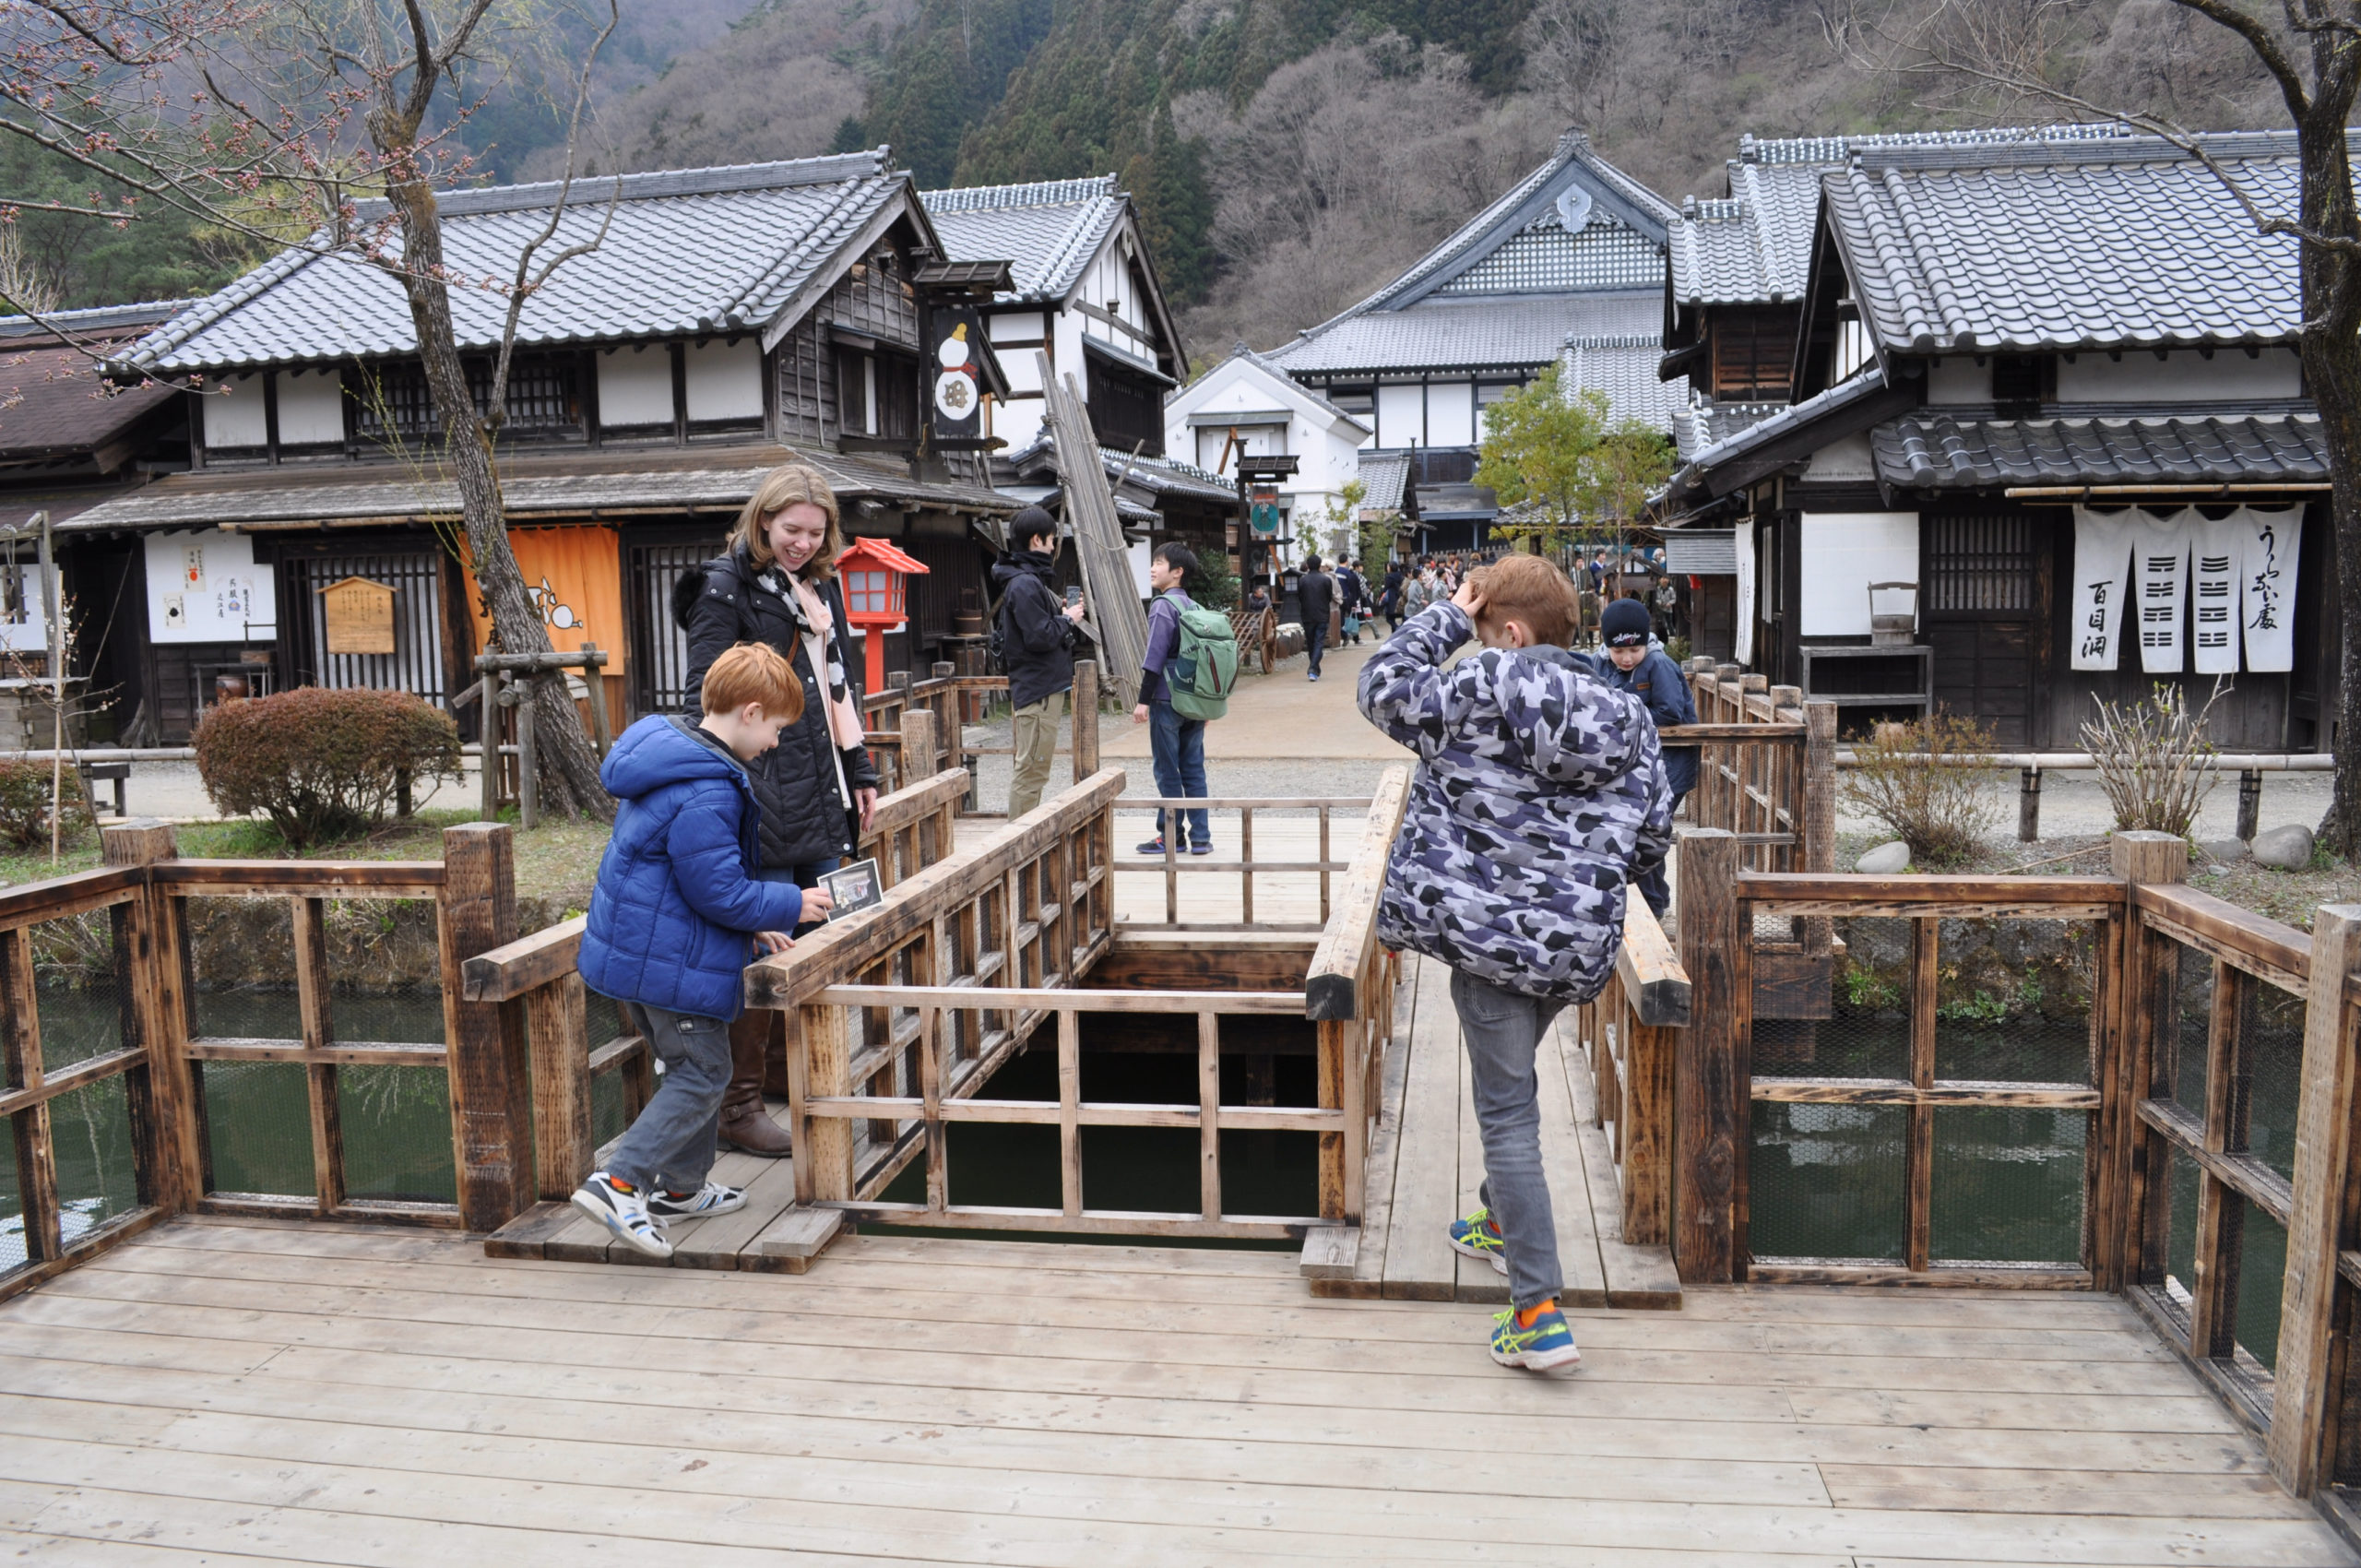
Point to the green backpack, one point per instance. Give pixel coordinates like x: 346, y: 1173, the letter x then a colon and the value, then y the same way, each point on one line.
x: 1203, y: 667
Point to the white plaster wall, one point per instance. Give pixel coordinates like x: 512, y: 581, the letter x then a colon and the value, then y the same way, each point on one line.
x: 1401, y: 417
x: 635, y: 387
x: 725, y: 379
x: 1018, y: 422
x: 310, y: 408
x: 31, y: 634
x: 1843, y: 554
x: 2181, y: 376
x: 233, y: 415
x: 1847, y: 458
x: 203, y: 587
x: 1451, y: 414
x: 1019, y: 327
x: 1069, y: 359
x: 1959, y: 379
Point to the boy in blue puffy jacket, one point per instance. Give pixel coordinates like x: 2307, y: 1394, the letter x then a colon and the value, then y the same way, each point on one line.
x: 675, y: 920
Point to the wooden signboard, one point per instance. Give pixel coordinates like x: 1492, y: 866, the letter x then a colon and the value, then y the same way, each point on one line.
x: 359, y: 616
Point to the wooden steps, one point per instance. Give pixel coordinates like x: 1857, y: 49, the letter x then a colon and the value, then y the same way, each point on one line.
x: 1426, y: 1166
x: 558, y: 1232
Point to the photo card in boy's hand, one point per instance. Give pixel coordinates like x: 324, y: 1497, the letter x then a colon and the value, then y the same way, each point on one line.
x: 854, y: 887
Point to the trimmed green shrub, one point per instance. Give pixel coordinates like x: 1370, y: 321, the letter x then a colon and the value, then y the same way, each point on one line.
x: 24, y: 803
x: 321, y: 763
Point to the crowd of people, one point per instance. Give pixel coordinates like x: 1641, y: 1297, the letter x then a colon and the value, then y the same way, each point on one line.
x: 1542, y: 799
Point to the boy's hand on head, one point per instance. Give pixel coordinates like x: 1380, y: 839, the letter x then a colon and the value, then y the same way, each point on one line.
x: 817, y: 903
x: 773, y: 942
x: 1469, y: 598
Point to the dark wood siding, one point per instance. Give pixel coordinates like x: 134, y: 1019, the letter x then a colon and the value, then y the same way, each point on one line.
x: 1981, y: 597
x: 654, y: 560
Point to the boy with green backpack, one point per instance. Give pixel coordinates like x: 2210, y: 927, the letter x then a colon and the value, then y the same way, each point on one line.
x: 1185, y: 679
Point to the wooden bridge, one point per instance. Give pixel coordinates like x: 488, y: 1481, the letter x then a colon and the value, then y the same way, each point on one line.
x: 1870, y: 1263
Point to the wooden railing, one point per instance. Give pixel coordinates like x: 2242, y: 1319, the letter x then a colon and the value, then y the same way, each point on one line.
x: 2113, y: 1083
x: 1630, y: 1035
x: 134, y: 1072
x: 1176, y: 862
x: 533, y: 981
x: 1766, y: 767
x: 904, y: 1014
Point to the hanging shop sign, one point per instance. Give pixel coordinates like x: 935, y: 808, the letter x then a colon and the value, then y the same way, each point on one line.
x: 958, y: 379
x: 2212, y: 593
x: 1262, y: 508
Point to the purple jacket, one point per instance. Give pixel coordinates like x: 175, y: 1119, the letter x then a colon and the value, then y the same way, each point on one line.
x: 1163, y: 638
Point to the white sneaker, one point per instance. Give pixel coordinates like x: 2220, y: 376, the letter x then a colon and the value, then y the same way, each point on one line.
x: 705, y: 1201
x: 623, y: 1212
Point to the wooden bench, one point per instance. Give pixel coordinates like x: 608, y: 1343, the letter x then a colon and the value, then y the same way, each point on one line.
x: 93, y: 772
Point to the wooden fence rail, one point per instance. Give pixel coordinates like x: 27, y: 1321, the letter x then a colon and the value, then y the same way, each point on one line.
x: 1630, y: 1034
x: 2194, y: 1061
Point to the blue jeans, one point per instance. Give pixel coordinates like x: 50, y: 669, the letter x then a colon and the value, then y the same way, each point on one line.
x: 671, y: 1144
x: 1178, y: 745
x: 1502, y: 1029
x: 808, y: 875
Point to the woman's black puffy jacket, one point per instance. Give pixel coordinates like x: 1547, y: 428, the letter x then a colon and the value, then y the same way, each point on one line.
x: 804, y: 819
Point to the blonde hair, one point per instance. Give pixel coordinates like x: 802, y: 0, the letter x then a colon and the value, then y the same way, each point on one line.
x: 1532, y: 589
x: 754, y: 672
x: 783, y: 487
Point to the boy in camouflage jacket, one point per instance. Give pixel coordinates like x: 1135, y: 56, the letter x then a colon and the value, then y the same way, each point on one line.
x: 1540, y: 796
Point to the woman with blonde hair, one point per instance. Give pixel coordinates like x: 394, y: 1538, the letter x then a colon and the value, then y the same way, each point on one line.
x: 817, y: 787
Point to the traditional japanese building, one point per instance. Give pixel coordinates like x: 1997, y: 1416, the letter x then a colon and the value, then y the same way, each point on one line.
x: 1247, y: 407
x: 2047, y: 379
x: 1573, y: 253
x: 728, y: 320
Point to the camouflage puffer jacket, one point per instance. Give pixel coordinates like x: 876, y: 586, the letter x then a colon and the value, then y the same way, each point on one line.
x: 1540, y: 796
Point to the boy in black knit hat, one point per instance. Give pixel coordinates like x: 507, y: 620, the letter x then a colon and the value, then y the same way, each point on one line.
x: 1632, y: 666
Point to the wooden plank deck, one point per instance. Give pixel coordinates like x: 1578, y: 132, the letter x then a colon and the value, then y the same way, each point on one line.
x: 1428, y: 1162
x: 227, y: 1391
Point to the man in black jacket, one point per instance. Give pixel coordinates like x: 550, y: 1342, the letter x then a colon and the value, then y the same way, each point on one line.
x: 1037, y: 641
x: 1315, y: 597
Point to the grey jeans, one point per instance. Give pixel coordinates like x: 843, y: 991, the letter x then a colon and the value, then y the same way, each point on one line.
x: 1503, y: 1031
x: 672, y: 1143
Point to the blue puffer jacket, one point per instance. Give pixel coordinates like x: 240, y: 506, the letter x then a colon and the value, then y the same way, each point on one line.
x: 672, y: 917
x: 1539, y: 795
x: 1657, y: 681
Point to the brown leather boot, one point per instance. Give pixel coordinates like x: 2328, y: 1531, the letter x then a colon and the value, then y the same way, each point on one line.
x: 745, y: 1124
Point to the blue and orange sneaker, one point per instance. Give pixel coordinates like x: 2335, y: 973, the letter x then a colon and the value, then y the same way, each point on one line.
x: 1544, y: 1344
x: 1478, y: 1237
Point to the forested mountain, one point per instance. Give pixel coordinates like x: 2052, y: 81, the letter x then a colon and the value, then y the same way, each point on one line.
x: 1288, y: 155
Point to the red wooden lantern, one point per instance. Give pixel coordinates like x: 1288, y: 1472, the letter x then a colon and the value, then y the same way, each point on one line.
x: 872, y: 574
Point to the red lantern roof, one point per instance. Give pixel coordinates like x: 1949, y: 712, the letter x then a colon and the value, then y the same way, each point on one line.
x: 871, y: 553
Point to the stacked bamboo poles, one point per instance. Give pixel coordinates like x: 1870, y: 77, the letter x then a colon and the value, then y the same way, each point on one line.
x: 1114, y: 617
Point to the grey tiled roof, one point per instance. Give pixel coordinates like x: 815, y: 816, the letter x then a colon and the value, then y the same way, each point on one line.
x: 1513, y: 256
x: 97, y: 320
x: 1755, y: 243
x: 1705, y: 424
x: 1382, y: 477
x: 540, y: 485
x: 1047, y: 231
x: 1167, y: 476
x: 2061, y: 246
x: 687, y: 251
x: 1272, y: 367
x: 1942, y: 451
x: 1456, y: 334
x: 1625, y: 369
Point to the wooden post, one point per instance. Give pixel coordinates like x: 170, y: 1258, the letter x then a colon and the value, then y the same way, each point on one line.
x: 1069, y: 1111
x: 312, y: 981
x: 2029, y: 807
x: 1918, y: 1157
x: 1712, y: 1090
x: 1644, y: 1129
x: 2143, y: 1020
x: 917, y: 748
x: 2249, y: 805
x: 2304, y: 1403
x: 1085, y: 719
x: 528, y: 759
x: 1330, y: 1035
x: 490, y: 1095
x: 595, y: 677
x: 488, y: 707
x: 1209, y: 1116
x: 559, y: 1034
x: 163, y: 1092
x: 827, y: 1070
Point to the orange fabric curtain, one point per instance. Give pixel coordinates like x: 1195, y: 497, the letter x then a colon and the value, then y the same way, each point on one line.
x: 575, y: 578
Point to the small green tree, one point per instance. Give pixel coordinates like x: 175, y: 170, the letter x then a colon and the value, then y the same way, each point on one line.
x: 1583, y: 474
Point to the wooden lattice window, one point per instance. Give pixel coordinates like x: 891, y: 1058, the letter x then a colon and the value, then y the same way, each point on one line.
x: 542, y: 398
x: 1979, y: 565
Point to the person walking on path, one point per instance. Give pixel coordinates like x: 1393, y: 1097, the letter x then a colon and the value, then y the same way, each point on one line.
x: 1353, y: 593
x: 1650, y: 675
x: 817, y: 789
x: 1538, y: 794
x: 1389, y: 597
x: 675, y: 917
x: 1316, y: 596
x: 1037, y: 641
x: 1177, y: 745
